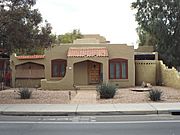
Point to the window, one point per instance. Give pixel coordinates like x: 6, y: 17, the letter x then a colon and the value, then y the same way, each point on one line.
x: 58, y: 68
x: 118, y: 69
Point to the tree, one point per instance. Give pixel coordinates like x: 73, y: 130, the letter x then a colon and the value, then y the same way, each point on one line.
x: 69, y: 37
x: 161, y: 20
x: 44, y: 36
x: 20, y: 26
x: 54, y: 39
x: 145, y: 38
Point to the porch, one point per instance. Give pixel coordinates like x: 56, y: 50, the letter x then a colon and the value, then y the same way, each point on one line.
x: 88, y: 73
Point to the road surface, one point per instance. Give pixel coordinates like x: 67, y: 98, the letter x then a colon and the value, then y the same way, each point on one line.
x: 90, y: 125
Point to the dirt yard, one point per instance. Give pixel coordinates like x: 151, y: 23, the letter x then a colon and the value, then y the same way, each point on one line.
x: 124, y: 95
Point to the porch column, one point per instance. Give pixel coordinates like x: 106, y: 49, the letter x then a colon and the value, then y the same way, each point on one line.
x: 106, y: 71
x: 69, y: 72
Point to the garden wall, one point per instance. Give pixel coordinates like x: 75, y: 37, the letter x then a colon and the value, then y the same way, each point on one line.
x: 169, y: 77
x: 145, y: 70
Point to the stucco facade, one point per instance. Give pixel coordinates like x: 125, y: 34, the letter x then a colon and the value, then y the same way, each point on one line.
x: 146, y: 65
x: 97, y: 61
x: 145, y: 71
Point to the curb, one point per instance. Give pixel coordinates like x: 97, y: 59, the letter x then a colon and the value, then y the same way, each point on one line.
x: 38, y: 113
x: 14, y: 113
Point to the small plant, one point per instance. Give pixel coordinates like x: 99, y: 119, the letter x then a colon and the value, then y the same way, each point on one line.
x: 25, y: 93
x: 106, y: 91
x: 155, y: 94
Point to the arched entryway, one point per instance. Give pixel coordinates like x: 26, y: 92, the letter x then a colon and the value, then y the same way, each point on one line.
x: 87, y: 73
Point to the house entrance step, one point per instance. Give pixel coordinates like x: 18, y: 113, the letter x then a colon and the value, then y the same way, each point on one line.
x: 86, y: 87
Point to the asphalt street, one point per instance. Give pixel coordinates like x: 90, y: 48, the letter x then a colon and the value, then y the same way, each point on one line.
x: 90, y: 125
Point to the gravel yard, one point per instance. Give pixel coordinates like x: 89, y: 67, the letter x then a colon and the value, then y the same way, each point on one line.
x: 38, y: 97
x: 124, y: 95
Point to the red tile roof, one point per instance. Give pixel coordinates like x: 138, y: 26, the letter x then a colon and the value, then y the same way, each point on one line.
x: 30, y: 57
x: 87, y: 52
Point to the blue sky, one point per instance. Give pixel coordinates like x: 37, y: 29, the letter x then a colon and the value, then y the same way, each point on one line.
x: 112, y: 19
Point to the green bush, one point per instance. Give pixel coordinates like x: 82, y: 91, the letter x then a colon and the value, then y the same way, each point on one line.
x: 155, y: 94
x: 106, y: 91
x: 24, y: 93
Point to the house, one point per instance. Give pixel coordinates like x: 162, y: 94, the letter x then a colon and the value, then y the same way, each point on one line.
x: 91, y: 61
x: 88, y: 61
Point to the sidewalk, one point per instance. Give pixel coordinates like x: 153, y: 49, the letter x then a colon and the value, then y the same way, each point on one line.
x: 89, y: 109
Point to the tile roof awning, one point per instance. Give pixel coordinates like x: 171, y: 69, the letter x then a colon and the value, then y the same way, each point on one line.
x: 30, y: 57
x: 87, y: 52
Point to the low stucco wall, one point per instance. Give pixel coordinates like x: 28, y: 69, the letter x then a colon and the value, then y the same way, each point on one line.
x: 145, y: 70
x: 121, y: 83
x: 55, y: 85
x: 169, y: 77
x: 30, y: 83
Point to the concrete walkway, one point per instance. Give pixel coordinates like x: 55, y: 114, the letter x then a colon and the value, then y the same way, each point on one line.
x: 84, y: 97
x: 89, y: 109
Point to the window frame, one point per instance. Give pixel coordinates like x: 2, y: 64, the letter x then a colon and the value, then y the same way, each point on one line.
x: 119, y: 61
x: 59, y: 63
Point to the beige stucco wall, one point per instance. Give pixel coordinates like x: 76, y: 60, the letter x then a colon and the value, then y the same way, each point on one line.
x: 100, y: 38
x: 56, y: 52
x: 169, y: 77
x: 80, y: 73
x: 30, y: 83
x: 145, y: 71
x: 85, y: 41
x: 125, y: 52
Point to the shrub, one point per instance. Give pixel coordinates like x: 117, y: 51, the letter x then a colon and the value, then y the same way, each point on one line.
x: 155, y: 94
x: 106, y: 91
x: 25, y: 93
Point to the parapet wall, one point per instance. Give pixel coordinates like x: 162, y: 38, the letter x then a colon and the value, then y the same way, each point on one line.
x: 169, y: 77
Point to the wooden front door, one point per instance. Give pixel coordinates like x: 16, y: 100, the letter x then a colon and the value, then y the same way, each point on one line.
x: 93, y: 72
